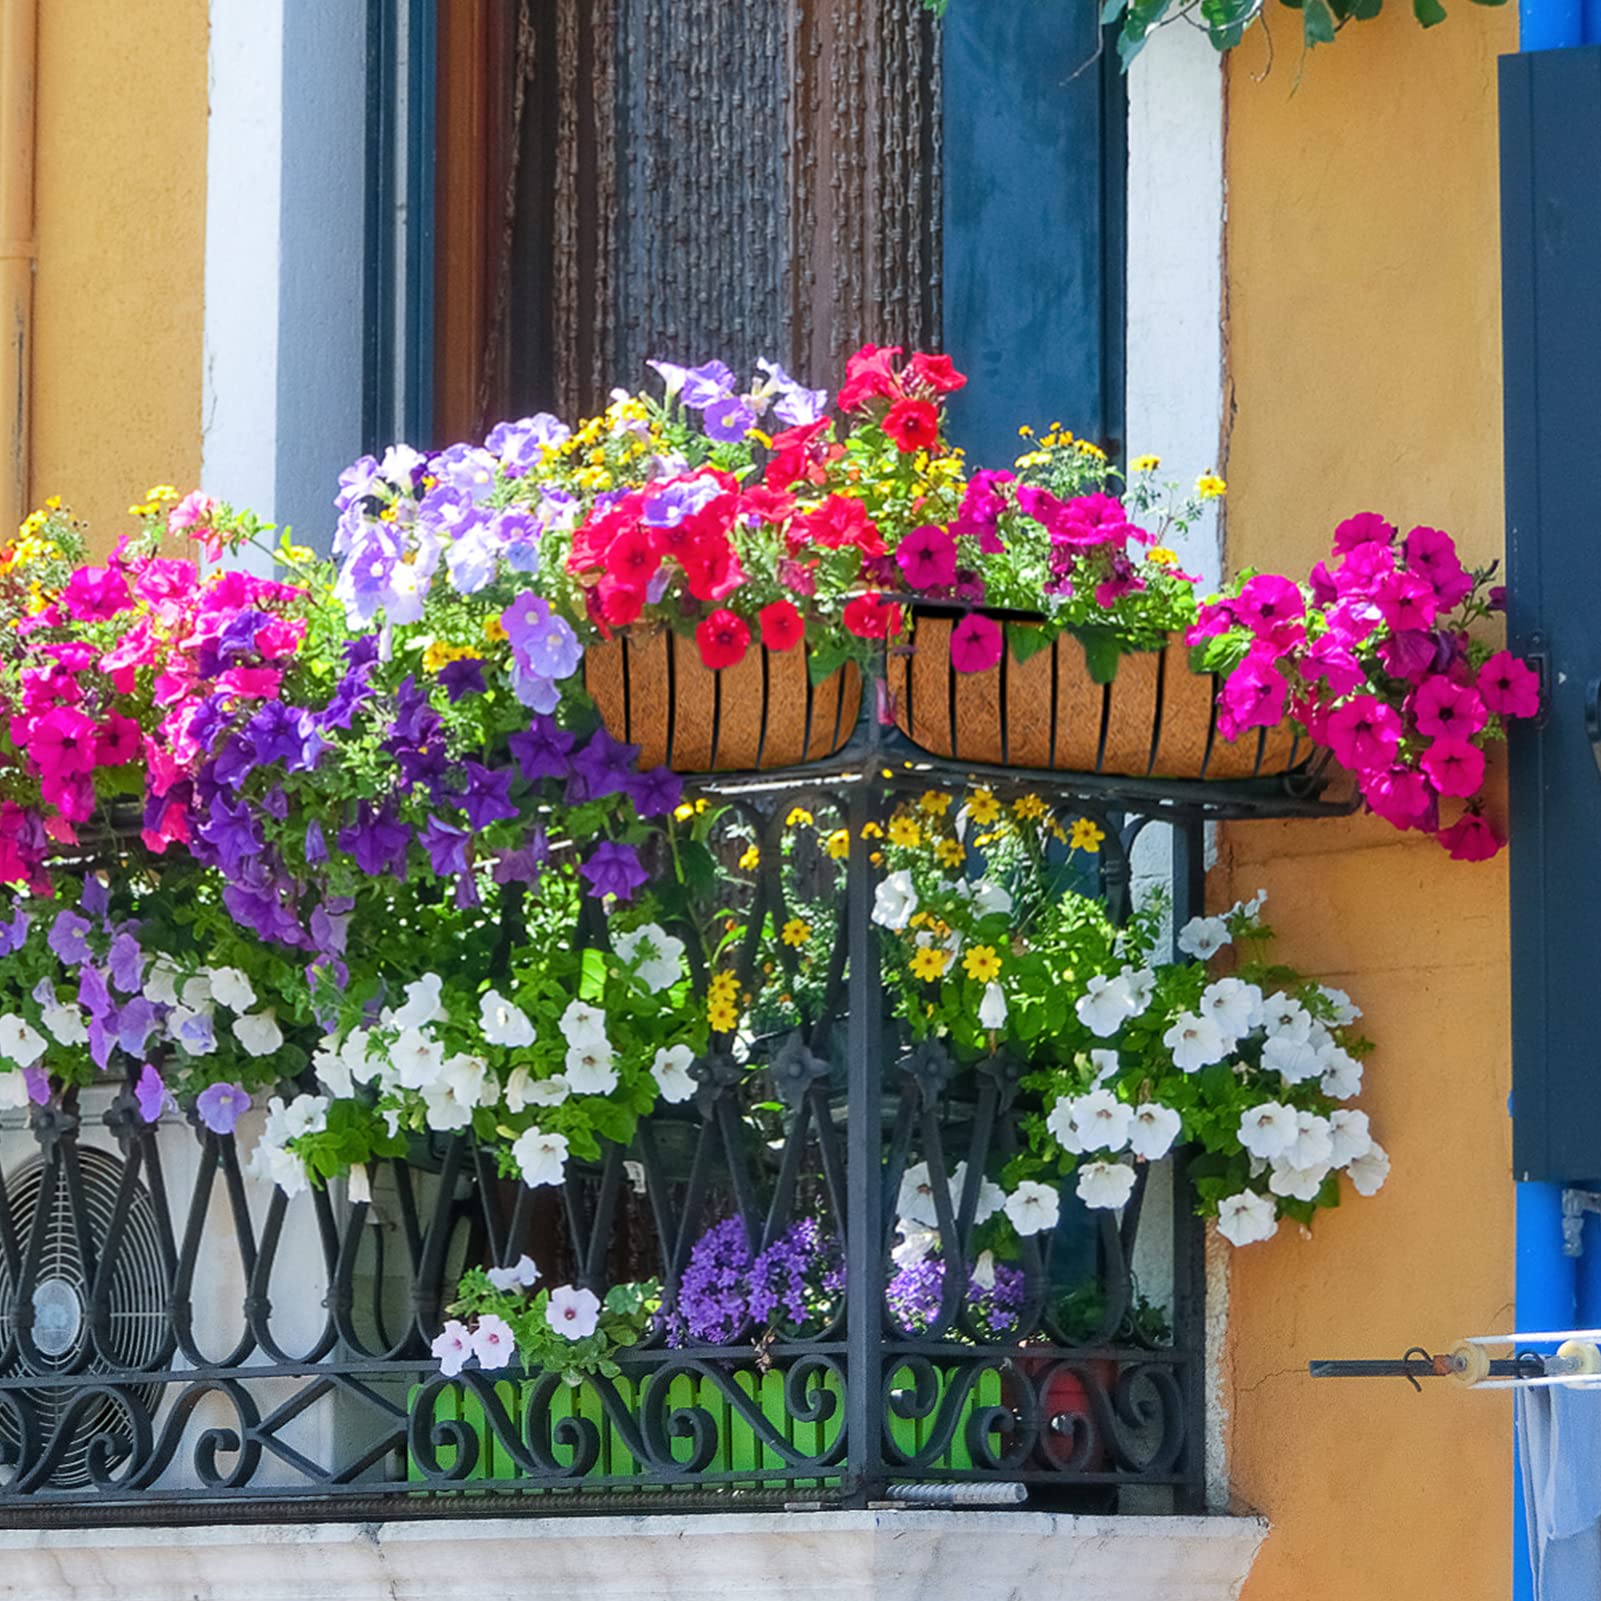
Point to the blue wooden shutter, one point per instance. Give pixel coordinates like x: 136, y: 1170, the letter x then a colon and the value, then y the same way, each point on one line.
x: 1551, y: 274
x: 1035, y: 157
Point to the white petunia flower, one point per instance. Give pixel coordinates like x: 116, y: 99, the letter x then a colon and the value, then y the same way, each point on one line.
x: 1195, y: 1042
x: 1105, y: 1185
x: 656, y: 956
x: 332, y: 1071
x: 493, y: 1342
x: 1141, y: 986
x: 65, y: 1024
x: 1349, y: 1136
x: 1105, y: 1063
x: 358, y: 1185
x: 231, y: 988
x: 540, y: 1157
x: 1253, y: 907
x: 259, y: 1033
x: 306, y: 1114
x: 421, y: 1005
x: 894, y: 901
x: 1268, y: 1130
x: 1313, y: 1144
x: 992, y: 1008
x: 1298, y: 1183
x: 1247, y: 1218
x: 364, y: 1068
x: 590, y: 1070
x: 1342, y: 1075
x: 917, y: 1244
x: 521, y: 1275
x: 573, y: 1313
x: 1152, y: 1130
x: 1203, y: 937
x: 20, y: 1042
x: 1293, y: 1060
x: 990, y: 1199
x: 583, y: 1024
x: 276, y: 1165
x: 990, y: 898
x: 1033, y: 1208
x: 671, y: 1072
x: 13, y: 1092
x: 161, y: 982
x: 1346, y: 1011
x: 1105, y: 1005
x: 196, y: 992
x: 550, y: 1091
x: 915, y: 1202
x: 502, y: 1022
x: 1285, y: 1018
x: 1101, y: 1121
x: 1369, y: 1171
x: 1234, y: 1005
x: 417, y: 1059
x: 1063, y: 1126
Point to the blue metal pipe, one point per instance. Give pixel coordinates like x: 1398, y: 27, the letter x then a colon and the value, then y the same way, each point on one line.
x: 1548, y: 1296
x: 1551, y: 24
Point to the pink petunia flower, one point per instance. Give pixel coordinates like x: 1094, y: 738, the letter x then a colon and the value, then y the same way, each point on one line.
x: 1432, y: 554
x: 1406, y: 601
x: 1471, y: 838
x: 1400, y: 795
x: 1366, y: 528
x: 976, y: 643
x: 1254, y: 695
x: 1364, y: 733
x: 927, y: 555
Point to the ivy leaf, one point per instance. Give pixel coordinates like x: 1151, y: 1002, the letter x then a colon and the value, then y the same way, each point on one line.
x: 1317, y: 23
x: 1428, y: 12
x: 1026, y: 640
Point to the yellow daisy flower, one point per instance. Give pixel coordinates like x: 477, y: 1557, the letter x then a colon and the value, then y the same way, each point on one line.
x: 1146, y: 464
x: 935, y: 802
x: 838, y: 844
x: 799, y: 817
x: 903, y: 831
x: 796, y: 932
x: 950, y: 853
x: 1161, y: 556
x: 928, y: 964
x: 872, y: 831
x: 1086, y: 836
x: 1210, y: 487
x: 982, y: 963
x: 983, y: 807
x: 1029, y: 807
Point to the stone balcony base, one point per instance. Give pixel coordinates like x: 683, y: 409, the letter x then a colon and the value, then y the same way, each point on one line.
x: 799, y: 1556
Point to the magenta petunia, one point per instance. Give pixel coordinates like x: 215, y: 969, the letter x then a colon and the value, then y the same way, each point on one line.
x: 1510, y: 688
x: 1445, y: 709
x: 1267, y: 603
x: 927, y: 555
x: 1454, y: 766
x: 1366, y: 528
x: 1432, y: 554
x: 976, y: 643
x: 1471, y: 838
x: 1254, y: 695
x: 1406, y: 601
x: 1364, y: 733
x: 1401, y: 796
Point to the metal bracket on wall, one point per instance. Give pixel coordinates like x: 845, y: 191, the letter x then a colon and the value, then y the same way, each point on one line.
x: 1575, y: 1203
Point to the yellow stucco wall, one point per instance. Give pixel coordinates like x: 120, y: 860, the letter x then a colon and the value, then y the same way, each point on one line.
x: 121, y: 206
x: 1365, y: 362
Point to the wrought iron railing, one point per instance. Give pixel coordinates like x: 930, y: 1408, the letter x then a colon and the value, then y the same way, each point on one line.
x: 178, y: 1341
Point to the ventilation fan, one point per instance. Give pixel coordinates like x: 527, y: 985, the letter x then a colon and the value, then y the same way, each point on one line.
x: 138, y: 1290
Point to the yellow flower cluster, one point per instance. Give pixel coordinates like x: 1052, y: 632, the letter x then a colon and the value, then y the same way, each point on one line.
x: 929, y: 963
x: 796, y: 932
x: 722, y: 1002
x: 441, y: 654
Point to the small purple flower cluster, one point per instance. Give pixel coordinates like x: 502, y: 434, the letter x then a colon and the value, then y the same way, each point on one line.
x: 727, y: 1288
x: 916, y: 1293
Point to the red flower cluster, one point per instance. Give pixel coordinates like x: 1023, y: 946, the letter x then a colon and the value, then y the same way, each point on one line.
x: 908, y: 393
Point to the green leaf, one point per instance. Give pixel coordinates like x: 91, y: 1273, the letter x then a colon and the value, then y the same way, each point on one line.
x: 1027, y: 639
x: 1102, y: 652
x: 828, y: 655
x: 1428, y: 12
x: 1317, y: 23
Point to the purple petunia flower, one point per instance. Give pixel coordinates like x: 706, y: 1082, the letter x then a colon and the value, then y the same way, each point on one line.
x: 487, y: 798
x: 232, y: 833
x: 196, y: 1034
x: 542, y: 749
x: 614, y: 869
x: 93, y: 995
x: 446, y: 846
x: 605, y: 766
x: 38, y: 1085
x: 14, y: 935
x: 657, y: 792
x: 69, y: 935
x: 96, y: 897
x: 461, y: 678
x: 126, y: 962
x: 221, y: 1106
x: 316, y: 845
x: 523, y: 865
x: 377, y: 840
x: 135, y: 1024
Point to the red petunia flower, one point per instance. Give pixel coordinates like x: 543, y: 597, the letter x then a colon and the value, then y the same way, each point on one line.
x: 723, y: 639
x: 913, y: 425
x: 782, y: 626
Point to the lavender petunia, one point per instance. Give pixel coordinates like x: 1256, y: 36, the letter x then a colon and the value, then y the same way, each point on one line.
x: 196, y: 1034
x: 69, y: 934
x: 544, y: 643
x: 93, y: 995
x: 127, y: 963
x: 14, y: 935
x: 220, y: 1106
x: 151, y: 1094
x: 96, y: 897
x: 316, y: 845
x: 135, y: 1024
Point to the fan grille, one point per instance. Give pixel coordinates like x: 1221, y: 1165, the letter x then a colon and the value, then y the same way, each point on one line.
x: 137, y: 1287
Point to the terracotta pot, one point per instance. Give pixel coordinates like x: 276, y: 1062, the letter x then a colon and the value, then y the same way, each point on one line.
x: 654, y: 691
x: 1156, y: 719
